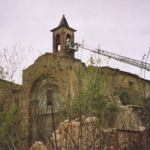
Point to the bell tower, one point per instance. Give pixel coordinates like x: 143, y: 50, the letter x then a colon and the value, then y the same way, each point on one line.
x: 63, y: 38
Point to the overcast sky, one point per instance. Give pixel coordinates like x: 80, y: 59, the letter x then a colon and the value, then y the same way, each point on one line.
x: 119, y: 26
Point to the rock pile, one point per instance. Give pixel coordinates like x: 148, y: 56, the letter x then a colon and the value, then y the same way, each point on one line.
x: 38, y: 146
x: 128, y: 120
x: 84, y: 135
x: 88, y: 134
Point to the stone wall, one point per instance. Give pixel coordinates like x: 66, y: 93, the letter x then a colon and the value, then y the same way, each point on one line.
x: 10, y: 93
x: 137, y: 89
x: 48, y: 71
x: 63, y: 71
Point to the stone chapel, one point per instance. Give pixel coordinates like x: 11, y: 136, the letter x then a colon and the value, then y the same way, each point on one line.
x: 43, y: 94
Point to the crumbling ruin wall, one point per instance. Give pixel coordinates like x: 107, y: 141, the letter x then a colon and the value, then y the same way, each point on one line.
x: 63, y: 70
x: 137, y: 89
x: 93, y: 136
x: 47, y: 71
x: 88, y: 133
x: 10, y: 93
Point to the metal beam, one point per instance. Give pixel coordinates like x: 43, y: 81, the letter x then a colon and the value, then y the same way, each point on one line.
x: 127, y: 60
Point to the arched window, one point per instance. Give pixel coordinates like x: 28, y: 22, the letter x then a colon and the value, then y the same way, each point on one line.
x: 57, y: 42
x: 68, y: 37
x: 68, y: 40
x: 45, y: 95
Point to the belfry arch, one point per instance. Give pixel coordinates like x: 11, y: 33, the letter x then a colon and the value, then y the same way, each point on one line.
x: 57, y: 42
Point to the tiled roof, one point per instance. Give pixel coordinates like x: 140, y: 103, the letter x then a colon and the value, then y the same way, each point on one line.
x: 63, y: 23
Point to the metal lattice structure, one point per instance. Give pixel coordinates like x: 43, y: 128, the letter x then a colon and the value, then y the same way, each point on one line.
x: 127, y: 60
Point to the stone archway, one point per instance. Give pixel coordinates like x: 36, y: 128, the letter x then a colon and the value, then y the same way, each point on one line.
x: 44, y: 99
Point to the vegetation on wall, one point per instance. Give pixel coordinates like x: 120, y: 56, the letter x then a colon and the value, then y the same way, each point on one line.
x: 92, y: 97
x: 7, y: 118
x: 11, y: 97
x: 85, y: 91
x: 124, y: 97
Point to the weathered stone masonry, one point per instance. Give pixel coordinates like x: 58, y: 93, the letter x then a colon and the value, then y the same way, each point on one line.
x: 56, y: 68
x: 50, y: 72
x: 89, y: 134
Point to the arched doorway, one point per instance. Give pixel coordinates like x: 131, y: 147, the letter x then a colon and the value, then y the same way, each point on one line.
x: 44, y: 101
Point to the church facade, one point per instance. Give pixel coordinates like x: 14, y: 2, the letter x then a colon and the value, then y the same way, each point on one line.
x: 50, y: 84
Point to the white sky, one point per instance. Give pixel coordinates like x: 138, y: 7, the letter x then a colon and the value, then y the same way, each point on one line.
x: 119, y: 26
